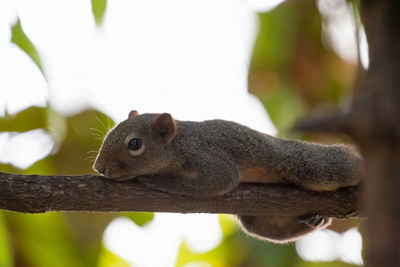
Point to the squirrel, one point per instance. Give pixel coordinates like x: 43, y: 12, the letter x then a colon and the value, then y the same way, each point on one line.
x: 212, y: 157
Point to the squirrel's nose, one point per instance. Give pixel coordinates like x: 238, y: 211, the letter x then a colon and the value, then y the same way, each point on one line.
x: 99, y: 167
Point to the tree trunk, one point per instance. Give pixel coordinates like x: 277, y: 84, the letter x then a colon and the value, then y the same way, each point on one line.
x: 374, y: 122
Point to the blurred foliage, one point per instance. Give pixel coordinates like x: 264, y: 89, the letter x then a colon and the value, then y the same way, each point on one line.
x: 60, y: 239
x: 19, y: 38
x: 6, y: 259
x: 237, y: 249
x: 290, y: 71
x: 98, y: 10
x: 107, y: 259
x: 23, y: 121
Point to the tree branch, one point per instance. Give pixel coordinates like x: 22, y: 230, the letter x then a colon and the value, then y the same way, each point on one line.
x: 41, y: 193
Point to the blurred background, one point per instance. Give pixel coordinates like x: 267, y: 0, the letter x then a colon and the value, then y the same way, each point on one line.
x: 70, y: 70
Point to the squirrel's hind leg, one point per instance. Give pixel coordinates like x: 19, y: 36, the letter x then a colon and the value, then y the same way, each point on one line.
x: 280, y: 229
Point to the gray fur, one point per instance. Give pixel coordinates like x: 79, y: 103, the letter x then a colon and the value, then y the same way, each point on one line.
x: 204, y: 159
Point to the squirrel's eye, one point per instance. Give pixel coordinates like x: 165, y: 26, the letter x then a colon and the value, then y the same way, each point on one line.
x: 134, y: 144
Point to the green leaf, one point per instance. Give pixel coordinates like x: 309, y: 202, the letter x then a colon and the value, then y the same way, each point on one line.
x: 5, y: 249
x: 140, y: 218
x: 98, y: 10
x: 107, y: 258
x: 25, y: 120
x: 275, y: 43
x: 46, y: 240
x: 284, y: 106
x: 22, y: 41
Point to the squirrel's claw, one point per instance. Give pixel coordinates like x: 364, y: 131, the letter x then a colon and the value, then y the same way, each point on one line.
x: 315, y: 220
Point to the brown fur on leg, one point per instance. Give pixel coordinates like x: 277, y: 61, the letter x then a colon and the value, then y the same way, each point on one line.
x: 278, y: 229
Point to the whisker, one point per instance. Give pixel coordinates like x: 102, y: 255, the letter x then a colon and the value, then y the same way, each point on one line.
x: 90, y: 159
x: 109, y: 124
x: 97, y: 130
x: 97, y: 135
x: 102, y: 123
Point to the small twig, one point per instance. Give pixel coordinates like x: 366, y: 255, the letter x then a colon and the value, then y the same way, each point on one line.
x: 327, y: 121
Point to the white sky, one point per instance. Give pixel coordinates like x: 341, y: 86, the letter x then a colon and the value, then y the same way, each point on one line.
x: 188, y: 58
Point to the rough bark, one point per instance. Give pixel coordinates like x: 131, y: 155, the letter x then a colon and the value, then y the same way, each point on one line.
x: 40, y: 193
x: 374, y: 122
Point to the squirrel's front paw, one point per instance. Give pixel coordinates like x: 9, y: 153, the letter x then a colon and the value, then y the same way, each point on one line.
x: 315, y: 220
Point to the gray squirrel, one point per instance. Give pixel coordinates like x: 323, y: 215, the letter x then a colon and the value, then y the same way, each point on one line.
x: 212, y: 157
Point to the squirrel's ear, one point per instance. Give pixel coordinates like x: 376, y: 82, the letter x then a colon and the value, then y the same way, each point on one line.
x: 133, y: 113
x: 163, y: 128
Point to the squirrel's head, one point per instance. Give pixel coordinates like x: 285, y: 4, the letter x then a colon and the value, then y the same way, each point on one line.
x: 137, y: 146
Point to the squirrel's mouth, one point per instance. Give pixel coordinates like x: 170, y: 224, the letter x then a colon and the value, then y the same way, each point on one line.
x: 120, y: 178
x: 124, y: 178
